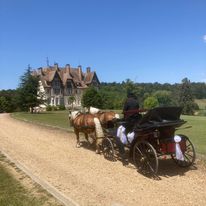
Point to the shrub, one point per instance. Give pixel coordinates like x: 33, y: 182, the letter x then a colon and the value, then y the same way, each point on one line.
x: 49, y: 108
x: 150, y: 102
x: 54, y: 108
x: 62, y: 107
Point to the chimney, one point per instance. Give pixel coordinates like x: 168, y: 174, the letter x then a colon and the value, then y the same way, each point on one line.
x: 67, y: 68
x: 56, y: 66
x: 80, y: 72
x: 88, y: 69
x: 39, y: 71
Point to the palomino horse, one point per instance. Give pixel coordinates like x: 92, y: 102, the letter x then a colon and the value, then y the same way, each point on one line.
x: 87, y: 124
x: 107, y: 118
x: 91, y: 124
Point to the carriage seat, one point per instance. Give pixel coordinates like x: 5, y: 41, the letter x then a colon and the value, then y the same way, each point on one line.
x: 120, y: 122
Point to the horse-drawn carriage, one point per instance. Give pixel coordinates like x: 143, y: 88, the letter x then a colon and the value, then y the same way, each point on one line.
x: 154, y: 136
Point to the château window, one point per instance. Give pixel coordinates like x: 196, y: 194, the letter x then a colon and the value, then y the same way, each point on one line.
x: 69, y: 88
x: 57, y: 91
x: 56, y: 82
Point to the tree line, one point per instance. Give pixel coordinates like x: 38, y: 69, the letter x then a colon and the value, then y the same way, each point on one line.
x: 109, y: 95
x: 149, y: 95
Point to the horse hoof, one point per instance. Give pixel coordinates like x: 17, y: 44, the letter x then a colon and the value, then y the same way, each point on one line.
x: 78, y: 146
x: 97, y: 152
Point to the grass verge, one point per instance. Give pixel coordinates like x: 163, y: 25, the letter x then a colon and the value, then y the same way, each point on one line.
x: 17, y: 189
x: 57, y: 119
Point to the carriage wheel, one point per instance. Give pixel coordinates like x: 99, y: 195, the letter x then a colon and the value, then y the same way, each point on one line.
x: 189, y: 154
x: 108, y: 149
x: 145, y: 157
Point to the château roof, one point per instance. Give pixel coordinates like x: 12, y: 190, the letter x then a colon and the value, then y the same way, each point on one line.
x: 79, y: 78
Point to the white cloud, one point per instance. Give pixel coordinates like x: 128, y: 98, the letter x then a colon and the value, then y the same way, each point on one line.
x: 204, y: 38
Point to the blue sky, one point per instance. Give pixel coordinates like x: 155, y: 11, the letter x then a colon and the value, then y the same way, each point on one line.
x: 144, y: 40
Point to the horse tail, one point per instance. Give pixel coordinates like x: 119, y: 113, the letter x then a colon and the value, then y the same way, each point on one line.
x: 98, y: 128
x: 99, y: 133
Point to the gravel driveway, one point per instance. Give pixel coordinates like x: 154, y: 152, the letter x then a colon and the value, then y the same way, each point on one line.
x: 89, y: 179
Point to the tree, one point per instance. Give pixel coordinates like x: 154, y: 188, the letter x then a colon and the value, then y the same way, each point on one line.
x: 164, y: 97
x: 28, y: 97
x: 3, y: 104
x: 8, y: 100
x: 92, y: 97
x: 186, y: 99
x: 130, y: 86
x: 136, y: 89
x: 113, y: 95
x: 151, y: 102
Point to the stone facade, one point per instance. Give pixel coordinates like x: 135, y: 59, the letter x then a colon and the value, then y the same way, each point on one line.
x: 61, y: 84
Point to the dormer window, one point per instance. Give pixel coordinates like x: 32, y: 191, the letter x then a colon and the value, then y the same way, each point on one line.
x: 69, y: 88
x: 57, y: 82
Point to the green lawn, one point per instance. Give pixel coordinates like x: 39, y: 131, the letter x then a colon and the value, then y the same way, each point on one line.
x: 197, y: 133
x: 55, y: 118
x: 201, y: 103
x: 13, y: 193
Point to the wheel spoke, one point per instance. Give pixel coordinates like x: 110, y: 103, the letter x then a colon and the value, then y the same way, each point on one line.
x: 108, y: 149
x: 189, y: 146
x: 189, y: 159
x: 187, y: 154
x: 139, y: 151
x: 145, y: 157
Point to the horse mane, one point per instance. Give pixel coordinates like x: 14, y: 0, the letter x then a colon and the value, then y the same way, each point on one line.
x: 74, y: 114
x: 93, y: 110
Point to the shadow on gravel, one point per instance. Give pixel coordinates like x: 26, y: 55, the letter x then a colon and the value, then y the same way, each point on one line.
x: 168, y: 168
x: 88, y: 146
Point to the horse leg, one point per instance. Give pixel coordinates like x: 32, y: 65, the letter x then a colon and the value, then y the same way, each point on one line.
x: 87, y: 137
x: 77, y: 135
x: 97, y: 146
x: 93, y: 138
x: 98, y: 149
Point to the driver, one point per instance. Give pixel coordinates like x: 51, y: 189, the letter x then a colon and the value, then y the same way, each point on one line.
x: 131, y: 115
x: 131, y: 106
